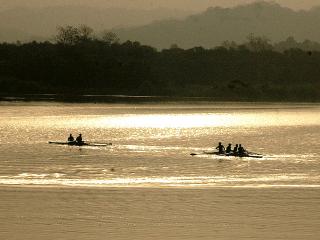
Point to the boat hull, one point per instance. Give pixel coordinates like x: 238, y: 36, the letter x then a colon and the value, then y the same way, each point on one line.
x: 81, y: 144
x: 250, y: 155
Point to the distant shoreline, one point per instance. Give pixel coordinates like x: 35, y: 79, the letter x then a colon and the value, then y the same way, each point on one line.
x: 96, y: 71
x: 100, y: 98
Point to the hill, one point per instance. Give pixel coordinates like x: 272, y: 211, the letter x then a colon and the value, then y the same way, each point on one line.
x: 215, y: 25
x: 41, y: 23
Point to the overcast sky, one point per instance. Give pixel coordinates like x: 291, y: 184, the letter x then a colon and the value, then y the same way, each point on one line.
x: 193, y: 5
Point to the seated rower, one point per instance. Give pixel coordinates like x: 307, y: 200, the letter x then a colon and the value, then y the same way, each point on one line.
x: 241, y: 150
x: 221, y: 148
x: 79, y: 139
x: 70, y: 138
x: 235, y: 149
x: 228, y: 150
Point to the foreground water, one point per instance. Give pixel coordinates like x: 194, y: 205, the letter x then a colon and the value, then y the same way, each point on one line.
x: 146, y: 185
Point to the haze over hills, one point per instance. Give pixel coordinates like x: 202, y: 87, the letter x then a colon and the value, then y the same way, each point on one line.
x: 188, y: 5
x: 212, y: 27
x: 163, y: 27
x: 40, y: 23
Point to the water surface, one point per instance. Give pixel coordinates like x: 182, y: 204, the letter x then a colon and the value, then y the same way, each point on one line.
x: 146, y: 185
x: 152, y: 145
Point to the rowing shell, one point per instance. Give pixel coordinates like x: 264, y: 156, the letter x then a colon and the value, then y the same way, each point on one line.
x: 249, y: 154
x: 82, y: 144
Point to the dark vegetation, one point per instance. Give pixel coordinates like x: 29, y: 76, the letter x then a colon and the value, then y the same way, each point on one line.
x: 78, y: 63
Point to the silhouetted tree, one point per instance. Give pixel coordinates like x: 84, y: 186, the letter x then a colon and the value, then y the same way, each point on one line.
x: 174, y: 46
x: 229, y: 44
x: 85, y: 33
x: 258, y: 44
x: 68, y: 35
x: 109, y: 37
x: 291, y: 43
x: 223, y: 73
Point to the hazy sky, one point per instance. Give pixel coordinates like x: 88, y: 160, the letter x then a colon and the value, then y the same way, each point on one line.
x: 194, y: 5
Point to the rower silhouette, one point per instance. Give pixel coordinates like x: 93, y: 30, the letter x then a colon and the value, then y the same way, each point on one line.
x: 241, y: 150
x: 235, y: 149
x: 79, y: 139
x: 221, y: 148
x: 228, y: 150
x: 70, y: 138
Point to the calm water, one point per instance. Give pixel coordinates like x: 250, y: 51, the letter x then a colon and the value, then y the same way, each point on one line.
x: 147, y: 185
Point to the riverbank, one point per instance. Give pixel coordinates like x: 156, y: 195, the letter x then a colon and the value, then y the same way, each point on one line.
x: 87, y: 98
x: 91, y: 98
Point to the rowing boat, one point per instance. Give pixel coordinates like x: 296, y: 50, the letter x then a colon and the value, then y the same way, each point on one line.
x: 74, y: 143
x: 246, y: 154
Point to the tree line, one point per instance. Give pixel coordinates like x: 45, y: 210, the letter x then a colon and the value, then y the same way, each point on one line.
x: 78, y: 62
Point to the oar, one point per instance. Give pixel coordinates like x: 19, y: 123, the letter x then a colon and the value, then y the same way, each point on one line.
x: 98, y: 143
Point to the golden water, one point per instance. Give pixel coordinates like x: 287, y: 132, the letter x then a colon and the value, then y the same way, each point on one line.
x: 146, y: 185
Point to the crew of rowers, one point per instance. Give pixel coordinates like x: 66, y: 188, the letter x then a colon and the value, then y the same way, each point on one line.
x: 78, y: 139
x: 237, y: 150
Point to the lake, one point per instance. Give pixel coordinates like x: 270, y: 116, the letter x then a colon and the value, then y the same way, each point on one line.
x: 147, y: 185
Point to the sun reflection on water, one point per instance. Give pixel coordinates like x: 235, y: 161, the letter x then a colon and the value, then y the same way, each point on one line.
x: 197, y: 120
x: 157, y: 181
x: 148, y: 119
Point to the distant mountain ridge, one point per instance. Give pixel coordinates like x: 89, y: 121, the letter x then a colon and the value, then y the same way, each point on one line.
x: 37, y: 24
x: 212, y: 27
x: 162, y: 28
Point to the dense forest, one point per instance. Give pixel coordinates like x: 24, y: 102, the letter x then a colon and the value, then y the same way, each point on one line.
x: 78, y: 63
